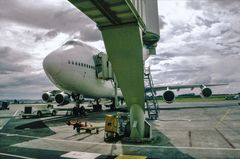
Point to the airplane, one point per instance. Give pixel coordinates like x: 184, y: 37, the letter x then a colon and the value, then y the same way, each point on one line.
x: 72, y: 69
x: 75, y: 69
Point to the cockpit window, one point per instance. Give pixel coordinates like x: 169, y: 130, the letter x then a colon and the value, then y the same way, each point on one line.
x: 73, y: 42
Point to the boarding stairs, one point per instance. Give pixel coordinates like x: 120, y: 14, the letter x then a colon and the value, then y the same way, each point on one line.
x: 151, y: 104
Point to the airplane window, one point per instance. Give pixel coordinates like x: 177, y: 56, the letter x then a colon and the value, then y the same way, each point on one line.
x: 87, y: 65
x: 75, y: 63
x: 82, y: 64
x: 72, y: 62
x: 79, y: 64
x: 69, y: 62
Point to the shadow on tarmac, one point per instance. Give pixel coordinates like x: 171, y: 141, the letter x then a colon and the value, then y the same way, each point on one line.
x: 156, y: 152
x: 37, y: 127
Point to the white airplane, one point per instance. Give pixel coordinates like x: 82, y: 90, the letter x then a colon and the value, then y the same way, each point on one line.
x: 73, y: 69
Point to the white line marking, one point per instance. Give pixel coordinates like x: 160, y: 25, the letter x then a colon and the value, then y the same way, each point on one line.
x: 16, y: 156
x: 7, y: 120
x: 15, y: 114
x: 80, y: 155
x: 4, y: 123
x: 126, y: 145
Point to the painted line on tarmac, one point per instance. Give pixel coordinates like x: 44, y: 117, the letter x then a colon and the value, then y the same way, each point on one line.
x: 15, y: 114
x: 126, y: 145
x: 226, y: 139
x: 190, y: 138
x: 3, y: 124
x: 222, y: 119
x: 7, y: 120
x: 16, y: 156
x: 81, y: 155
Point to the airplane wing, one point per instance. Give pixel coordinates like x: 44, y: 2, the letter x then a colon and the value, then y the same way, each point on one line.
x: 178, y: 87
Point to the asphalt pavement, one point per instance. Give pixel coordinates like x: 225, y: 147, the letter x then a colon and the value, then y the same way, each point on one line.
x: 184, y: 130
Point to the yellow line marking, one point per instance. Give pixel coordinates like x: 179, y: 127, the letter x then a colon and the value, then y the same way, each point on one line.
x: 221, y: 120
x: 130, y: 157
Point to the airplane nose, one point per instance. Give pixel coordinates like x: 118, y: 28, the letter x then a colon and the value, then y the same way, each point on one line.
x: 52, y: 64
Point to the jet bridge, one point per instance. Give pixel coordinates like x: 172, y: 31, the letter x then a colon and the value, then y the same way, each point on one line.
x: 127, y: 26
x: 103, y: 66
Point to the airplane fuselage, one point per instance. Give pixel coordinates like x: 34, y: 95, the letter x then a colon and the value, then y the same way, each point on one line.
x: 72, y: 69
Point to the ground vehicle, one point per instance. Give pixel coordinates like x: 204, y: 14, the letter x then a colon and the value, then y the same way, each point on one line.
x: 4, y: 105
x: 232, y: 97
x: 116, y: 126
x: 38, y: 111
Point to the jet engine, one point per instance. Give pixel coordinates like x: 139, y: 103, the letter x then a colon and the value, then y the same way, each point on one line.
x: 48, y: 97
x: 168, y: 96
x: 206, y: 92
x: 62, y: 98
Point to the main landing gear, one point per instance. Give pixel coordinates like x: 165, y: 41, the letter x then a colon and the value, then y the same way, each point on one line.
x: 97, y: 107
x: 78, y: 110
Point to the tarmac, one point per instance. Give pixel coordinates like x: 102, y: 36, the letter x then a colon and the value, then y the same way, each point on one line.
x: 183, y: 131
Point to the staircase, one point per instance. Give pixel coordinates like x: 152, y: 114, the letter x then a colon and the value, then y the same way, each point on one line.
x: 151, y: 103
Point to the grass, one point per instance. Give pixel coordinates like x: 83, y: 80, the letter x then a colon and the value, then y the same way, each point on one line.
x: 199, y: 99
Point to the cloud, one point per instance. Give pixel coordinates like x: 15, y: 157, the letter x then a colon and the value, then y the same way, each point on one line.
x: 59, y: 16
x: 28, y: 85
x: 18, y: 78
x: 23, y: 80
x: 198, y: 40
x: 11, y: 61
x: 49, y: 35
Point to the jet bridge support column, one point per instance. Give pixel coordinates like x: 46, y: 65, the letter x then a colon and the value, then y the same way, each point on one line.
x: 124, y: 47
x: 125, y: 24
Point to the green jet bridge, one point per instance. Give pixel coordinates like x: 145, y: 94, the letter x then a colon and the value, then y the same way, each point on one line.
x: 128, y: 28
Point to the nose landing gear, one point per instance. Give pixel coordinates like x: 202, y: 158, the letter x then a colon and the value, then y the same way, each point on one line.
x: 97, y: 107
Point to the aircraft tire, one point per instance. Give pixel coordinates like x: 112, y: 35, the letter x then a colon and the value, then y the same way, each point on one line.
x: 112, y: 107
x: 75, y: 111
x: 82, y: 110
x: 54, y: 113
x: 97, y: 108
x: 39, y: 114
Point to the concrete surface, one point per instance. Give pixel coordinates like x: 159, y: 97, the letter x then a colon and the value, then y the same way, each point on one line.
x: 184, y: 130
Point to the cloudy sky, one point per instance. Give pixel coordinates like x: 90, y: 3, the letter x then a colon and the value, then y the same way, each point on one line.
x: 200, y: 43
